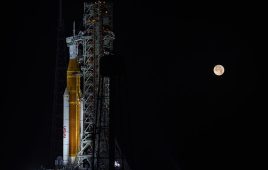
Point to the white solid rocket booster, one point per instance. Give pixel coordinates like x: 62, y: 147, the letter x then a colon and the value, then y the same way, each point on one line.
x: 66, y: 132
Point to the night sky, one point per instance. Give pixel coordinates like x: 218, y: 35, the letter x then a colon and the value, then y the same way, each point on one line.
x: 173, y: 113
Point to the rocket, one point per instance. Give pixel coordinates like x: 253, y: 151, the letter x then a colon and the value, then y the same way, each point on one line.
x: 72, y: 110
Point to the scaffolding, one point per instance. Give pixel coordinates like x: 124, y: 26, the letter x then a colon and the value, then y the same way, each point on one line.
x: 92, y: 44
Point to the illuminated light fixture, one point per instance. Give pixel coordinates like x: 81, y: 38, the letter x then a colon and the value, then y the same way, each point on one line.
x: 116, y: 164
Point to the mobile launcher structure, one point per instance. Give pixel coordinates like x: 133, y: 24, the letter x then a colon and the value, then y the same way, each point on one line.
x: 86, y: 99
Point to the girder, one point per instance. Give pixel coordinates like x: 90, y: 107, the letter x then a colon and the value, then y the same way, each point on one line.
x: 96, y: 40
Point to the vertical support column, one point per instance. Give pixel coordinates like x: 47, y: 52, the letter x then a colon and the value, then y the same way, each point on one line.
x: 81, y: 121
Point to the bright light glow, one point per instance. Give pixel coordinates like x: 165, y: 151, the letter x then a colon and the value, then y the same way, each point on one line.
x: 116, y: 164
x: 218, y: 70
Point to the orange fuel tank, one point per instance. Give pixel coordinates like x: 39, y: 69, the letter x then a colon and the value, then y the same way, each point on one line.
x: 73, y: 86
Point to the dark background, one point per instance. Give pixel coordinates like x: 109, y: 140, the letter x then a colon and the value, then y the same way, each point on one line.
x: 172, y: 111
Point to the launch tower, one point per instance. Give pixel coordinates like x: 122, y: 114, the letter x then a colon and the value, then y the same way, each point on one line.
x: 86, y: 138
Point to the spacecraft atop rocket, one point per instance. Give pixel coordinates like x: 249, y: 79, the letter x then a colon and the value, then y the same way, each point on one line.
x: 72, y: 109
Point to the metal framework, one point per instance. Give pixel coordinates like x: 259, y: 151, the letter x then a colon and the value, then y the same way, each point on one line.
x: 96, y: 41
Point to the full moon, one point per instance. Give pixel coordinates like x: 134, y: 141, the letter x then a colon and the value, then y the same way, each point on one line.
x: 218, y: 70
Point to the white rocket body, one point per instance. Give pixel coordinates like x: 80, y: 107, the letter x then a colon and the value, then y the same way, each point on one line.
x: 66, y: 132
